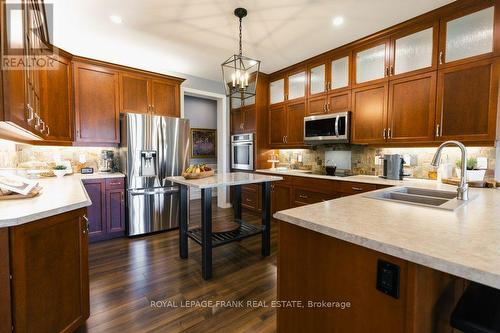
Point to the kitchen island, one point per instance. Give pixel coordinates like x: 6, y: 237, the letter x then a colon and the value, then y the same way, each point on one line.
x: 204, y: 236
x: 401, y: 266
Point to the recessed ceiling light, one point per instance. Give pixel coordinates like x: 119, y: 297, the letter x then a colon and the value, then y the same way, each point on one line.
x: 116, y: 19
x: 338, y: 20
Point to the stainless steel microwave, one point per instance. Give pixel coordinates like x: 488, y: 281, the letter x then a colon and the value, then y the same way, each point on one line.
x: 329, y: 128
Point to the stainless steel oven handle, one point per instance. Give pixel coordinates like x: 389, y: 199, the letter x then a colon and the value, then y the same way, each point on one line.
x: 337, y: 126
x: 169, y: 190
x: 242, y: 143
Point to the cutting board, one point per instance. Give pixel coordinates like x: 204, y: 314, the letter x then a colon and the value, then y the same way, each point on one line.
x: 478, y: 184
x: 34, y: 192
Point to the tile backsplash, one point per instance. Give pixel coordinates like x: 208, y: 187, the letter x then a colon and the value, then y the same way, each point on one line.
x: 14, y: 155
x: 366, y: 160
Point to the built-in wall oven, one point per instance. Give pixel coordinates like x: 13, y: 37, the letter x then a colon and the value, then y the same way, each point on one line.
x: 242, y: 151
x: 329, y: 128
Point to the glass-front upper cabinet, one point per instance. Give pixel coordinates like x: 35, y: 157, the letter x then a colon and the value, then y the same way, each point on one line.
x: 296, y: 85
x: 467, y: 36
x: 413, y: 51
x: 339, y: 73
x: 250, y: 100
x: 235, y: 103
x: 277, y: 91
x: 317, y: 79
x: 370, y: 63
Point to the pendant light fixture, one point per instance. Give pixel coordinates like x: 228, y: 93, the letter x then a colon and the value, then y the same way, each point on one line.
x: 240, y: 73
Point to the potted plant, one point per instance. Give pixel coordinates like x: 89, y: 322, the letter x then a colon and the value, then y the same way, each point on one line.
x: 59, y: 170
x: 472, y: 173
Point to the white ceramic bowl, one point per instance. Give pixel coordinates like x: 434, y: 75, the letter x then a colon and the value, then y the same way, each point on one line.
x: 60, y: 173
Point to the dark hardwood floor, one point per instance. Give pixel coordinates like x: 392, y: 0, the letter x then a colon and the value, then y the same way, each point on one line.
x: 126, y: 275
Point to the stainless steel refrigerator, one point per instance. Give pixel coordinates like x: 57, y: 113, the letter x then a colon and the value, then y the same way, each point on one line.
x: 152, y: 148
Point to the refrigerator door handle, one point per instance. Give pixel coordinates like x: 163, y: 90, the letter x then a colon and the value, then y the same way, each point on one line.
x: 155, y: 191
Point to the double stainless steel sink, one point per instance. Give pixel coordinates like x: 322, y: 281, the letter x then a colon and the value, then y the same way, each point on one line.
x: 421, y: 197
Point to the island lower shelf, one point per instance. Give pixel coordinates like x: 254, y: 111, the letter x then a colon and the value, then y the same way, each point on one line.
x: 313, y: 268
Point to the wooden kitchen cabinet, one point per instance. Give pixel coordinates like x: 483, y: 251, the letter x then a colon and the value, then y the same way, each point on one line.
x: 412, y: 108
x: 107, y: 213
x: 96, y: 213
x: 20, y: 93
x: 286, y: 124
x: 115, y: 212
x: 334, y: 75
x: 5, y: 299
x: 414, y: 50
x: 467, y: 101
x: 281, y: 197
x: 251, y: 197
x: 96, y: 103
x: 371, y: 62
x: 236, y: 121
x: 135, y: 95
x: 165, y: 98
x: 57, y: 97
x: 370, y: 114
x: 243, y: 120
x: 277, y: 125
x: 469, y: 34
x: 49, y: 268
x: 288, y: 87
x: 317, y: 267
x: 147, y: 94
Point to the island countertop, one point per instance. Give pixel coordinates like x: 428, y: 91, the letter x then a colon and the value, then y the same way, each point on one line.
x: 224, y: 179
x: 59, y: 195
x: 464, y: 242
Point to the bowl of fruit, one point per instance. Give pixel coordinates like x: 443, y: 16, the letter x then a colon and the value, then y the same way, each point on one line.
x: 198, y: 171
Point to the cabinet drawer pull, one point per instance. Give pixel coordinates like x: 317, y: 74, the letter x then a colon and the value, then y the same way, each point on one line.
x: 356, y: 188
x: 437, y: 130
x: 302, y: 196
x: 115, y: 183
x: 249, y: 200
x: 384, y: 133
x: 389, y: 133
x: 392, y: 70
x: 440, y: 57
x: 387, y: 71
x: 86, y: 228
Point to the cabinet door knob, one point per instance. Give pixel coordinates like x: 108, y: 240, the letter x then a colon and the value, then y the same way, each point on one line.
x: 392, y: 70
x: 440, y: 57
x: 437, y: 130
x: 387, y: 73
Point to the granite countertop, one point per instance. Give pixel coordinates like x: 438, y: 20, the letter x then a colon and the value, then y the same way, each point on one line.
x: 464, y: 242
x: 225, y: 179
x: 59, y: 195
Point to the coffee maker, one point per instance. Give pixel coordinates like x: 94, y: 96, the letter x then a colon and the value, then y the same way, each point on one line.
x: 393, y: 167
x: 106, y: 161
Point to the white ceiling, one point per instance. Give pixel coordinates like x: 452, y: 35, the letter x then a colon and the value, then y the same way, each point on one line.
x: 195, y: 36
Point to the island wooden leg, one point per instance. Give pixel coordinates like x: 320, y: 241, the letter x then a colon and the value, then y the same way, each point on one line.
x: 183, y: 223
x: 206, y: 233
x: 266, y: 219
x: 237, y: 202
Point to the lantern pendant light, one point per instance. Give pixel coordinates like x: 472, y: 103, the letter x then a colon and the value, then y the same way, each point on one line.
x: 240, y: 73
